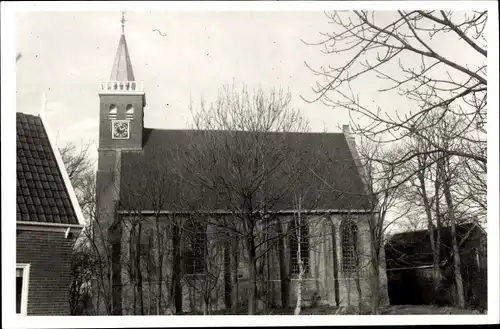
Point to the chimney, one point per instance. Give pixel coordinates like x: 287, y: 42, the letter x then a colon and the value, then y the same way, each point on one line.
x: 348, y: 136
x: 351, y: 143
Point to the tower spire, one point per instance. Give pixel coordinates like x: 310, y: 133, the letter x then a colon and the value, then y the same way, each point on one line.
x: 123, y: 22
x: 122, y: 66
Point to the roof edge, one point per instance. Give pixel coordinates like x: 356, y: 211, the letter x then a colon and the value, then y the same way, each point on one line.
x: 27, y: 223
x: 221, y: 211
x: 62, y: 169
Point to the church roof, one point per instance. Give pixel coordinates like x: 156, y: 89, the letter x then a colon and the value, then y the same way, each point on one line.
x: 122, y: 66
x: 42, y: 195
x: 158, y: 177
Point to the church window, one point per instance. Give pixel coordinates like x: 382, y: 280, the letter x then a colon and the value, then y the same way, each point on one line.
x: 113, y: 112
x: 129, y: 114
x: 349, y: 231
x: 194, y: 247
x: 304, y: 247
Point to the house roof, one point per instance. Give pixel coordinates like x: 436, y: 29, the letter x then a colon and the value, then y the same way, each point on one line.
x: 122, y: 65
x: 159, y: 176
x: 412, y: 249
x: 42, y: 194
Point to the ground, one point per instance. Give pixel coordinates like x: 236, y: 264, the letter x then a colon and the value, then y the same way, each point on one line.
x: 389, y: 310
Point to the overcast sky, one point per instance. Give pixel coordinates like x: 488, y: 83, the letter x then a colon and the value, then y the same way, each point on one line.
x: 68, y: 53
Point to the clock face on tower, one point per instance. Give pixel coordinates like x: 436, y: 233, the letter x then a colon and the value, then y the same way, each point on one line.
x: 120, y: 129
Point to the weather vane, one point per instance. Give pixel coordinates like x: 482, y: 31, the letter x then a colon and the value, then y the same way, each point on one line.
x: 123, y: 22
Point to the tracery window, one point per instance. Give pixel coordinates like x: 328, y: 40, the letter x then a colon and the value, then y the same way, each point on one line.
x: 194, y: 247
x: 349, y: 231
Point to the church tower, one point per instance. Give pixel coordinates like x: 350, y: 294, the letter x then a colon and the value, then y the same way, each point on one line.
x: 122, y: 102
x: 121, y: 123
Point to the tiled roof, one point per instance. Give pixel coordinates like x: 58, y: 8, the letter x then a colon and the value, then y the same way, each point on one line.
x: 41, y: 193
x: 151, y: 176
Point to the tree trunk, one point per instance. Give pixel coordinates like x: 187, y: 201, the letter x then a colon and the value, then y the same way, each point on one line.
x: 376, y: 245
x: 205, y: 306
x: 298, y: 305
x: 268, y: 273
x: 358, y: 286
x: 285, y: 287
x: 132, y: 268
x: 375, y: 303
x: 115, y: 270
x: 335, y: 265
x: 227, y: 274
x: 252, y: 269
x: 110, y: 304
x: 159, y: 272
x: 149, y: 297
x: 437, y: 252
x: 436, y: 272
x: 360, y: 295
x: 177, y: 271
x: 234, y: 274
x: 456, y: 251
x: 138, y: 269
x: 348, y: 283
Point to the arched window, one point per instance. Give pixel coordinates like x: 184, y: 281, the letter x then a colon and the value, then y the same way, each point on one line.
x: 304, y: 247
x: 113, y: 111
x: 349, y: 231
x: 194, y: 247
x: 129, y: 113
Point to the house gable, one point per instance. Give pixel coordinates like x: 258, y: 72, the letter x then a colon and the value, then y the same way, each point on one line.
x: 44, y: 193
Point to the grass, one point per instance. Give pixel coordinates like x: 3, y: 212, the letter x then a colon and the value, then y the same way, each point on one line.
x: 332, y: 310
x: 423, y: 309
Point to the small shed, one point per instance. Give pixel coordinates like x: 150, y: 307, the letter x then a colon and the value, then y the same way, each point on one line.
x: 409, y: 265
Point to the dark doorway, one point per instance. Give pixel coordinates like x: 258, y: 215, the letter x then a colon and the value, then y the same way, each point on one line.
x: 404, y: 287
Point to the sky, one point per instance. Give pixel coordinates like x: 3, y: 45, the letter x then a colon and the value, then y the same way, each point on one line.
x: 71, y: 52
x: 192, y: 55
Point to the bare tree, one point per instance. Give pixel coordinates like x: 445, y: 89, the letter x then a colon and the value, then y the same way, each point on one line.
x: 144, y: 198
x: 381, y: 178
x: 237, y: 163
x: 418, y: 194
x: 452, y: 179
x: 78, y: 165
x: 82, y: 270
x: 302, y: 229
x: 403, y: 51
x: 203, y: 272
x: 86, y: 264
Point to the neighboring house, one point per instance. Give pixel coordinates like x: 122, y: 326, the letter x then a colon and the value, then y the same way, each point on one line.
x: 132, y: 160
x: 410, y: 266
x: 48, y: 216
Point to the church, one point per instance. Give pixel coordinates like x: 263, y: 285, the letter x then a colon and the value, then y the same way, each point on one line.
x: 177, y: 236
